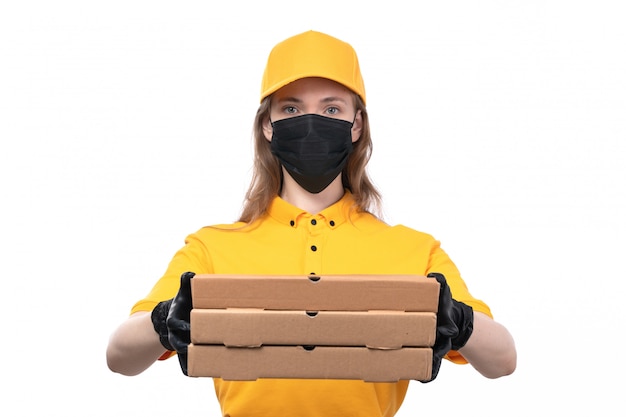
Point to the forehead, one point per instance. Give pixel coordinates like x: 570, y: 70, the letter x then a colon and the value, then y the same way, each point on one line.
x: 312, y: 88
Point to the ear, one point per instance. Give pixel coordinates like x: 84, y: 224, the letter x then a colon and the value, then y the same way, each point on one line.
x: 267, y: 129
x: 357, y: 126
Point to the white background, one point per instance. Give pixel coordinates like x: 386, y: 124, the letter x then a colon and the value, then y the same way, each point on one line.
x: 499, y: 128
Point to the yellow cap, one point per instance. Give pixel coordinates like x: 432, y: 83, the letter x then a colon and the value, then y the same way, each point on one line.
x: 312, y: 54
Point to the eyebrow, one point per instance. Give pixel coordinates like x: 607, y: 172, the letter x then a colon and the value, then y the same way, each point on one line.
x: 330, y: 99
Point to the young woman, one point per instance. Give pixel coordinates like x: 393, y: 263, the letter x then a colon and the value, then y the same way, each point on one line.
x: 309, y: 210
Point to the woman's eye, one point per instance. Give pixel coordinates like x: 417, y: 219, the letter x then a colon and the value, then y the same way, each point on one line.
x: 290, y: 110
x: 332, y: 110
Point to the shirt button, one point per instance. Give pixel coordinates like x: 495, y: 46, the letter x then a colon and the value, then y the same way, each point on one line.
x: 332, y: 222
x: 313, y: 222
x: 313, y: 248
x: 292, y: 223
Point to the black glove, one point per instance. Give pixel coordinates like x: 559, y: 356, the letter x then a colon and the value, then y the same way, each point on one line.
x: 455, y: 323
x: 171, y: 320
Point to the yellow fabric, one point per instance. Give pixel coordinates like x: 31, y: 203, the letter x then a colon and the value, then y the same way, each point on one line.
x: 281, y: 243
x: 312, y: 54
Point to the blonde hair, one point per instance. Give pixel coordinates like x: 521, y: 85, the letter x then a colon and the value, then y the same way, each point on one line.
x: 266, y: 179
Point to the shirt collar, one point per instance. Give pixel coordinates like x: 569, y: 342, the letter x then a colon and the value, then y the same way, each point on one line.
x: 334, y: 215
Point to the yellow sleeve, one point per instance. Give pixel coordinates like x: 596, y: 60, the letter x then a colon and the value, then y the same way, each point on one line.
x: 193, y: 257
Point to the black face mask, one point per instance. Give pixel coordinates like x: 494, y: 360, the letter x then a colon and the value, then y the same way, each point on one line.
x: 313, y: 149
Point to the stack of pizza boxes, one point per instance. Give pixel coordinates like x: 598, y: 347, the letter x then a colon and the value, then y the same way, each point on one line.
x: 376, y: 328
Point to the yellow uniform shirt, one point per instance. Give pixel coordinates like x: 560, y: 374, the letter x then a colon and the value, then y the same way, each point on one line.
x: 290, y: 241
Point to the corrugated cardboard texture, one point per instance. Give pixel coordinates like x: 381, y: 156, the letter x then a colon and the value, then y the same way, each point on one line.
x: 255, y: 327
x: 370, y: 365
x: 272, y: 311
x: 329, y: 292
